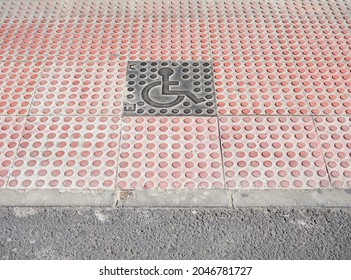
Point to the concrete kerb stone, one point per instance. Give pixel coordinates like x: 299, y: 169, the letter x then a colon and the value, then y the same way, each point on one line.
x: 292, y: 198
x: 235, y: 198
x: 178, y: 198
x: 174, y: 198
x: 47, y: 197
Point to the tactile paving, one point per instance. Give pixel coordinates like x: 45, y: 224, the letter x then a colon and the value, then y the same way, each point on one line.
x: 67, y: 152
x: 247, y: 30
x: 314, y: 8
x: 280, y: 83
x: 88, y: 50
x: 169, y: 88
x: 11, y: 129
x: 258, y: 88
x: 27, y: 29
x: 335, y: 134
x: 103, y: 27
x: 169, y: 39
x: 93, y: 30
x: 272, y: 152
x: 18, y: 81
x: 157, y: 9
x: 89, y: 9
x: 323, y: 37
x: 19, y: 9
x: 37, y: 50
x: 26, y: 39
x: 80, y: 88
x: 326, y: 86
x: 178, y: 152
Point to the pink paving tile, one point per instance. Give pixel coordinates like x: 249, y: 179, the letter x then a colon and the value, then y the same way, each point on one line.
x: 258, y: 88
x: 81, y: 88
x: 67, y: 152
x: 18, y: 81
x: 314, y: 8
x: 101, y: 27
x: 335, y: 136
x: 34, y: 50
x: 272, y: 152
x: 26, y: 39
x: 319, y: 39
x: 326, y: 86
x: 95, y: 9
x: 179, y: 152
x: 88, y: 50
x: 246, y: 30
x: 20, y: 9
x: 152, y: 9
x: 317, y: 30
x: 11, y: 129
x: 92, y: 31
x: 170, y: 39
x: 34, y: 28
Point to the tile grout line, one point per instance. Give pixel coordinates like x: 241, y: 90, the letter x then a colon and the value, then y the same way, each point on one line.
x: 26, y: 116
x: 16, y: 150
x: 308, y: 104
x: 216, y: 101
x: 44, y: 62
x: 116, y: 189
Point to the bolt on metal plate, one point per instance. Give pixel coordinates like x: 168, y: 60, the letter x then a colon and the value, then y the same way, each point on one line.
x: 169, y: 88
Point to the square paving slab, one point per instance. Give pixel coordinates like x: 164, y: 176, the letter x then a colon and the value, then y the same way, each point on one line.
x: 175, y: 103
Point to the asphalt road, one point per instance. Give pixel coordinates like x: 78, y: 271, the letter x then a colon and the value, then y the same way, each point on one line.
x: 96, y: 233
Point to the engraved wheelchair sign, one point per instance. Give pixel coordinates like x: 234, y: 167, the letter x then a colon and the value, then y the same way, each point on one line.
x: 169, y: 88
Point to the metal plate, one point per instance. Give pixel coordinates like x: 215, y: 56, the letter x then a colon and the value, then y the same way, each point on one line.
x: 169, y: 88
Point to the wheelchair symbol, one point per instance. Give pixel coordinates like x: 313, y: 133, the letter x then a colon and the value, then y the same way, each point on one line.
x: 165, y: 73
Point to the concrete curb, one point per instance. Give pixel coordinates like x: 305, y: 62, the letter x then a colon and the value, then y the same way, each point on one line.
x: 47, y: 197
x: 235, y: 198
x: 178, y: 198
x: 292, y: 198
x: 174, y: 198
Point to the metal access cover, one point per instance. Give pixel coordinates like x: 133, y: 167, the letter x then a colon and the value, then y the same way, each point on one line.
x: 169, y: 88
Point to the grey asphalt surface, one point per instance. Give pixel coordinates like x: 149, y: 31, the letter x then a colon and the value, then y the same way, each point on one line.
x: 247, y: 233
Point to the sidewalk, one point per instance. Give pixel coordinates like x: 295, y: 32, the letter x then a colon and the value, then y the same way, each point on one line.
x: 175, y: 103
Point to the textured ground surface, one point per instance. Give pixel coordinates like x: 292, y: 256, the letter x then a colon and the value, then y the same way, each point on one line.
x: 276, y: 93
x: 96, y: 233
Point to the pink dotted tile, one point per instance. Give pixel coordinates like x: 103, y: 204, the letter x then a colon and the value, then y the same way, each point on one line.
x: 258, y: 88
x: 17, y: 50
x: 152, y: 9
x: 272, y: 152
x: 30, y: 9
x: 26, y: 39
x: 170, y: 153
x: 247, y: 31
x: 314, y: 8
x: 335, y: 136
x: 18, y: 81
x: 97, y: 30
x: 25, y: 30
x: 67, y: 152
x: 89, y: 49
x: 170, y: 39
x: 327, y: 86
x: 82, y: 88
x: 10, y: 133
x: 102, y: 27
x: 97, y: 9
x: 319, y: 39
